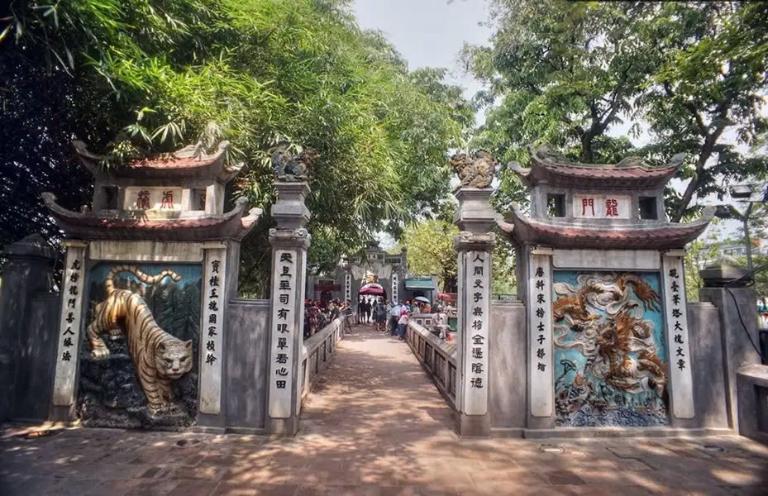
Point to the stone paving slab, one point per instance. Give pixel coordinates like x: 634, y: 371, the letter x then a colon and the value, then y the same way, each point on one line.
x: 375, y: 425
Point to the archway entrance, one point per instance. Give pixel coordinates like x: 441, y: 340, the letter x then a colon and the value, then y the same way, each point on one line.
x: 369, y: 296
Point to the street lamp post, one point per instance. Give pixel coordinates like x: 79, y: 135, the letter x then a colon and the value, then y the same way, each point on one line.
x: 752, y: 194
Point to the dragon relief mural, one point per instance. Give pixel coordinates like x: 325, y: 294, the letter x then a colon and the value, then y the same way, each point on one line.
x: 610, y: 353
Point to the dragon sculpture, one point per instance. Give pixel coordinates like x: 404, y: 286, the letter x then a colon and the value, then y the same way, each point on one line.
x: 602, y: 317
x: 476, y: 170
x: 292, y: 167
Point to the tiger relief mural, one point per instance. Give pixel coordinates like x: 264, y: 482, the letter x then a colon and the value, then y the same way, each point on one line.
x: 610, y: 352
x: 141, y: 342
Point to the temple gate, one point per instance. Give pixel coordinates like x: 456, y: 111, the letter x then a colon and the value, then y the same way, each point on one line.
x: 151, y: 332
x: 602, y: 279
x: 149, y: 272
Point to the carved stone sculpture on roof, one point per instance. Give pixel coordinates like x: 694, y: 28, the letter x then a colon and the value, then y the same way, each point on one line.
x: 548, y: 154
x: 475, y: 170
x: 290, y: 166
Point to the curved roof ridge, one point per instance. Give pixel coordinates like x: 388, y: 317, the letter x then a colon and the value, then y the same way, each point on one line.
x: 189, y: 160
x: 665, y: 235
x: 629, y: 173
x: 86, y: 225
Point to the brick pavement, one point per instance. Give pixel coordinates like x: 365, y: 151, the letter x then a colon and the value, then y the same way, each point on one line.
x: 375, y: 425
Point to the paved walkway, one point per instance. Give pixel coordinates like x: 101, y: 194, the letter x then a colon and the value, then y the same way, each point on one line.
x: 374, y: 426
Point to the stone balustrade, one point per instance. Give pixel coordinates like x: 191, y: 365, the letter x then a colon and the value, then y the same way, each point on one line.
x: 318, y: 350
x: 437, y: 356
x: 752, y: 394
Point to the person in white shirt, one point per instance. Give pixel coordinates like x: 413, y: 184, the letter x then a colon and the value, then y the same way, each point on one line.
x: 394, y: 316
x: 402, y: 323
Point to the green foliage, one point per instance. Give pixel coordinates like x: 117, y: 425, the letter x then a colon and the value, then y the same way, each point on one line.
x: 137, y: 76
x: 566, y: 73
x: 504, y: 266
x: 761, y: 277
x: 430, y: 251
x: 698, y: 254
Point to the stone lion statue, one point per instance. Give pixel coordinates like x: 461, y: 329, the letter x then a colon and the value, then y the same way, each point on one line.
x: 476, y: 170
x: 292, y: 167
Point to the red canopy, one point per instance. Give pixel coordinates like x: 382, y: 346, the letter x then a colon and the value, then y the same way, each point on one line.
x: 372, y: 289
x: 450, y: 297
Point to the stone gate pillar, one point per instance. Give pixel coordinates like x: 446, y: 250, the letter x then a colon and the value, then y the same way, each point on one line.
x: 727, y: 287
x: 290, y: 241
x: 474, y: 245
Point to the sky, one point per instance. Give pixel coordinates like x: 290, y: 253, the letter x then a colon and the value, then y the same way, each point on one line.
x: 431, y: 33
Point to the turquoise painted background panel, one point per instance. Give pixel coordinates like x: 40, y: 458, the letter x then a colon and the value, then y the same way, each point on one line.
x: 610, y: 350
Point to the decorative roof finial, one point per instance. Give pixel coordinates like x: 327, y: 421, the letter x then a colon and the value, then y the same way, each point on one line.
x: 291, y: 167
x: 476, y: 170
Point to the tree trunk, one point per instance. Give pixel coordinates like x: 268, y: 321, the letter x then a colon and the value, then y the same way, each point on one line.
x: 690, y: 190
x: 587, y: 154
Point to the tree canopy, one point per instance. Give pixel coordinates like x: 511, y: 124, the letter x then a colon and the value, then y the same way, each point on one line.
x: 430, y: 251
x: 570, y: 73
x: 134, y: 77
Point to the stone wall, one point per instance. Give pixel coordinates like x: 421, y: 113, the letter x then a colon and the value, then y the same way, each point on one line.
x: 27, y: 330
x: 245, y: 391
x: 508, y: 369
x: 36, y: 359
x: 734, y: 304
x: 709, y: 390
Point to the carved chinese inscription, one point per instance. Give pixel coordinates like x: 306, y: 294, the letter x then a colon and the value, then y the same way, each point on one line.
x: 677, y: 337
x: 540, y: 338
x: 476, y: 315
x: 283, y: 332
x: 211, y: 339
x: 69, y: 326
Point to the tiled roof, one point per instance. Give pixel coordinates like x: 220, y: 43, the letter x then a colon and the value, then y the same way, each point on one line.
x: 188, y: 162
x: 655, y: 236
x: 231, y: 225
x: 630, y: 173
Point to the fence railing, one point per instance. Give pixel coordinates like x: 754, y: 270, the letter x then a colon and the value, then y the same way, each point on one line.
x: 438, y: 358
x: 317, y: 351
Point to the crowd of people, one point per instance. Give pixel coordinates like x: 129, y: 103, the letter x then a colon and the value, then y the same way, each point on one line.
x: 389, y: 316
x: 318, y: 314
x: 386, y: 316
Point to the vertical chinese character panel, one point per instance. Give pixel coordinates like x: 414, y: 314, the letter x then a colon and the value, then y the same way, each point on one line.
x: 475, y: 320
x: 285, y: 328
x: 72, y: 285
x: 395, y: 287
x: 610, y: 364
x: 540, y: 335
x: 211, y: 339
x: 348, y: 287
x: 460, y: 319
x: 680, y: 377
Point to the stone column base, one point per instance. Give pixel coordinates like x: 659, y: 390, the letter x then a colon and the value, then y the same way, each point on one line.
x: 284, y: 427
x: 473, y: 425
x: 62, y: 413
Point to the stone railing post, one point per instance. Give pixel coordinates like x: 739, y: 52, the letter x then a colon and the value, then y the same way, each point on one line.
x: 290, y: 241
x: 474, y: 245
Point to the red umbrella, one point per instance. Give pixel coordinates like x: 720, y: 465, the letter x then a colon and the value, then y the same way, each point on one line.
x: 372, y: 289
x: 447, y: 297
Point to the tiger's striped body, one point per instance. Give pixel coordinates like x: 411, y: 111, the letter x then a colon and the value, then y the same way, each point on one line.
x: 158, y: 357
